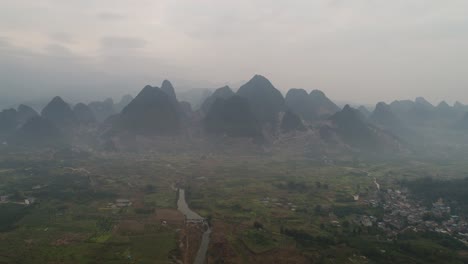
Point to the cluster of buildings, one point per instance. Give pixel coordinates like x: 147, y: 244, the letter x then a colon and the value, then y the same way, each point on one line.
x: 25, y: 201
x: 280, y: 203
x: 20, y: 198
x: 402, y: 214
x: 119, y: 203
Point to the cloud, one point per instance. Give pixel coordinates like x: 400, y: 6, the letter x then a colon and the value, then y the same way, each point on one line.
x: 122, y: 43
x: 4, y: 42
x: 58, y: 50
x: 29, y: 75
x: 110, y: 16
x: 356, y: 50
x: 61, y: 37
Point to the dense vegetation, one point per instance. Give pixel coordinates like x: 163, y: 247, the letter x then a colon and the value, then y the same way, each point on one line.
x: 453, y: 191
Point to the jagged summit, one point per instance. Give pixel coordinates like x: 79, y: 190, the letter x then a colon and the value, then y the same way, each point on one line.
x: 84, y: 114
x: 296, y: 93
x: 169, y: 89
x: 352, y: 128
x: 151, y: 112
x: 59, y: 112
x: 260, y: 80
x: 265, y: 100
x: 443, y: 104
x: 258, y: 83
x: 421, y: 112
x: 364, y: 111
x: 347, y: 114
x: 402, y: 106
x: 444, y: 110
x: 382, y: 106
x: 313, y: 106
x: 57, y: 100
x: 348, y: 117
x: 298, y: 101
x: 422, y: 101
x: 317, y: 93
x: 322, y: 104
x: 385, y: 118
x: 459, y: 105
x: 224, y: 92
x: 24, y: 113
x: 102, y: 109
x: 148, y: 89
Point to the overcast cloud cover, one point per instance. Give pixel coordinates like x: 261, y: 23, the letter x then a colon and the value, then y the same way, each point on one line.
x: 354, y: 50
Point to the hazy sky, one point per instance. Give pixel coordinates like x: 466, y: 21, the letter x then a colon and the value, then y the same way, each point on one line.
x: 353, y: 50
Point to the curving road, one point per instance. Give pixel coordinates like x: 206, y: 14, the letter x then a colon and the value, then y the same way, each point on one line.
x: 191, y: 215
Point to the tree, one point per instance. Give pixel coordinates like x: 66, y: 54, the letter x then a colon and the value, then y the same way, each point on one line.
x: 318, y: 209
x: 149, y: 188
x: 258, y: 225
x: 318, y: 184
x: 346, y: 224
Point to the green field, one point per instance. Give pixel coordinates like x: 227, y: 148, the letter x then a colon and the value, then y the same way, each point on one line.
x: 260, y: 208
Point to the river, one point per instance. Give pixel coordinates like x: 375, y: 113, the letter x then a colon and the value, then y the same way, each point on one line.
x: 375, y: 180
x: 191, y: 215
x: 376, y: 184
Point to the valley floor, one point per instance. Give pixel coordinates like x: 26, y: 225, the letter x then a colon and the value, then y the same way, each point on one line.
x: 122, y: 208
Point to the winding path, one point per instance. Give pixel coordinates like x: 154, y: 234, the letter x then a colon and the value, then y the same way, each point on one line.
x: 194, y: 217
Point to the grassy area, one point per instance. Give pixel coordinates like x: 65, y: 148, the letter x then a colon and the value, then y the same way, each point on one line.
x: 305, y: 210
x: 10, y: 214
x: 69, y: 222
x: 259, y: 241
x: 315, y: 203
x: 153, y: 248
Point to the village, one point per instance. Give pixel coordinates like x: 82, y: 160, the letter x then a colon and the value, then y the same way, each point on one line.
x: 17, y: 199
x: 402, y: 214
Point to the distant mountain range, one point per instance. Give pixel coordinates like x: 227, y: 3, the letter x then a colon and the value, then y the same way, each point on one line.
x: 256, y: 111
